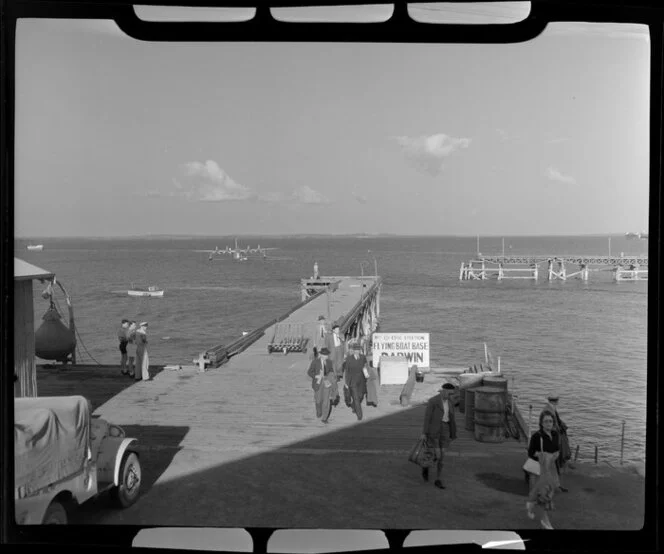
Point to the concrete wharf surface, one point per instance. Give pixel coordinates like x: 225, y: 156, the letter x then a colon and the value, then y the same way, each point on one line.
x: 211, y: 459
x: 240, y: 446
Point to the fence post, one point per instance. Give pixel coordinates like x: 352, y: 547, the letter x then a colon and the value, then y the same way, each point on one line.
x: 530, y: 416
x: 622, y: 442
x: 595, y: 453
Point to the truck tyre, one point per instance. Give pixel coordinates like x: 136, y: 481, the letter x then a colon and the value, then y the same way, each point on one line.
x: 126, y: 493
x: 56, y: 514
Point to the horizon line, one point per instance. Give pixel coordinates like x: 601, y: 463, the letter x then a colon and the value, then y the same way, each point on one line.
x: 294, y: 235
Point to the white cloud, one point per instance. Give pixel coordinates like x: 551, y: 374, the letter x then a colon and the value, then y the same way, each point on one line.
x: 428, y: 153
x: 555, y: 175
x: 207, y: 182
x: 307, y: 195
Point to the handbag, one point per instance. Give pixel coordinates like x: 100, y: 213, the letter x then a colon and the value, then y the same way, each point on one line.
x: 422, y: 454
x: 532, y: 466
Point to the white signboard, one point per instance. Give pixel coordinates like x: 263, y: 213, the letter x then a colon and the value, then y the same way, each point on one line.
x: 413, y: 346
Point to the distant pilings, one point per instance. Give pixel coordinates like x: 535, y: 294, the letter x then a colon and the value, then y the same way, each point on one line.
x: 527, y: 267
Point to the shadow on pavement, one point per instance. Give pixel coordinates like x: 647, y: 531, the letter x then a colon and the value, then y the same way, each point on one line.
x: 156, y: 448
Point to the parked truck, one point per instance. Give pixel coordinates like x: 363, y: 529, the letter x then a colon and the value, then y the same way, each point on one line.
x: 64, y: 457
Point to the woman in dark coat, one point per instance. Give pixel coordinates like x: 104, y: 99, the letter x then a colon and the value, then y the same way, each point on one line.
x: 545, y: 448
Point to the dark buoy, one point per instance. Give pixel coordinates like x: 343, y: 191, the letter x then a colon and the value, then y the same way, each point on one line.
x: 54, y: 340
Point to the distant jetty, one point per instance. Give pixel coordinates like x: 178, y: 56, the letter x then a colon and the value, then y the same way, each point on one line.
x: 624, y: 268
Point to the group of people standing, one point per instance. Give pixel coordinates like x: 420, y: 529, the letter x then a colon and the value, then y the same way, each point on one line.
x: 339, y: 362
x: 134, y: 360
x: 549, y: 446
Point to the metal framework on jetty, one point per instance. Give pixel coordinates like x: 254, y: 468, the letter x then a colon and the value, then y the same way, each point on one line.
x: 625, y: 268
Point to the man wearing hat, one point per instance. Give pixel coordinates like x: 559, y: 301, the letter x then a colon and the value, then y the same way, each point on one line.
x: 324, y: 384
x: 122, y: 339
x: 337, y: 347
x: 561, y: 428
x: 439, y: 427
x: 320, y: 332
x: 355, y: 379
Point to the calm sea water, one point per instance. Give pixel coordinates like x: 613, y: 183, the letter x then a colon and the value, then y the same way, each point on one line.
x: 586, y: 341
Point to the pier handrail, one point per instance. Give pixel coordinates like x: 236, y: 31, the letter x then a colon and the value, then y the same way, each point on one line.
x: 591, y: 449
x: 373, y: 290
x: 242, y: 343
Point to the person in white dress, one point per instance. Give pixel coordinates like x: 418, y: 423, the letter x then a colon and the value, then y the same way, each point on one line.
x: 142, y: 358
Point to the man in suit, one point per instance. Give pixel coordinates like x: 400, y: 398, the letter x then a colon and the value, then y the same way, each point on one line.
x: 122, y: 339
x: 440, y: 427
x: 337, y: 347
x: 324, y: 384
x: 561, y: 428
x: 355, y: 379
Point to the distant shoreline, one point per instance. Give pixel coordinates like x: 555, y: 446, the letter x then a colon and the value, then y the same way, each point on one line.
x: 308, y: 236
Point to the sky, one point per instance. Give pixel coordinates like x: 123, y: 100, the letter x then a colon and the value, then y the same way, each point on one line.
x: 118, y: 137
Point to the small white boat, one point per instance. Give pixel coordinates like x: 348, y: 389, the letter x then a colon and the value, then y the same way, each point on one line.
x: 36, y: 247
x: 149, y: 291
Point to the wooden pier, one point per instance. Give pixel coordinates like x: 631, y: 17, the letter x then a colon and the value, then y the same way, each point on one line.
x: 239, y: 445
x: 351, y: 302
x: 624, y: 268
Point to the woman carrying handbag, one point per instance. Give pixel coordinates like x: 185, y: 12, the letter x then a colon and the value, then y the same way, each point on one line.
x: 543, y: 452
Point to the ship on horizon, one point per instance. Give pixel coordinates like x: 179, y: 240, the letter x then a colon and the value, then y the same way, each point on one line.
x: 642, y: 235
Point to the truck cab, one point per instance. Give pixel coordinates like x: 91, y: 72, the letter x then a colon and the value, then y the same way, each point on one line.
x: 64, y: 457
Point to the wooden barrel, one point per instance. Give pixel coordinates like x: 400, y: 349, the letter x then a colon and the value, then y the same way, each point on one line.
x: 470, y: 408
x: 489, y: 414
x: 495, y: 382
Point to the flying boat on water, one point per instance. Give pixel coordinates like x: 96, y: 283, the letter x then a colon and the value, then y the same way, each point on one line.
x: 239, y: 254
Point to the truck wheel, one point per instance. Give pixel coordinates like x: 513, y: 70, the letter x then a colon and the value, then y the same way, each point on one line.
x: 55, y: 514
x: 126, y: 493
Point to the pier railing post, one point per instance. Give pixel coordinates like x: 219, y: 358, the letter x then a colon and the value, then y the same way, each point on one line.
x: 530, y: 417
x: 596, y: 453
x: 622, y: 442
x: 576, y: 453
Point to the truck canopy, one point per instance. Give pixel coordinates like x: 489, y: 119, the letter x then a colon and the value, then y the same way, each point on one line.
x: 51, y: 438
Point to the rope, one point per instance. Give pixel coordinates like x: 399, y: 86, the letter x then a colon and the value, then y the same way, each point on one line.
x: 80, y: 339
x: 510, y: 423
x: 86, y: 350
